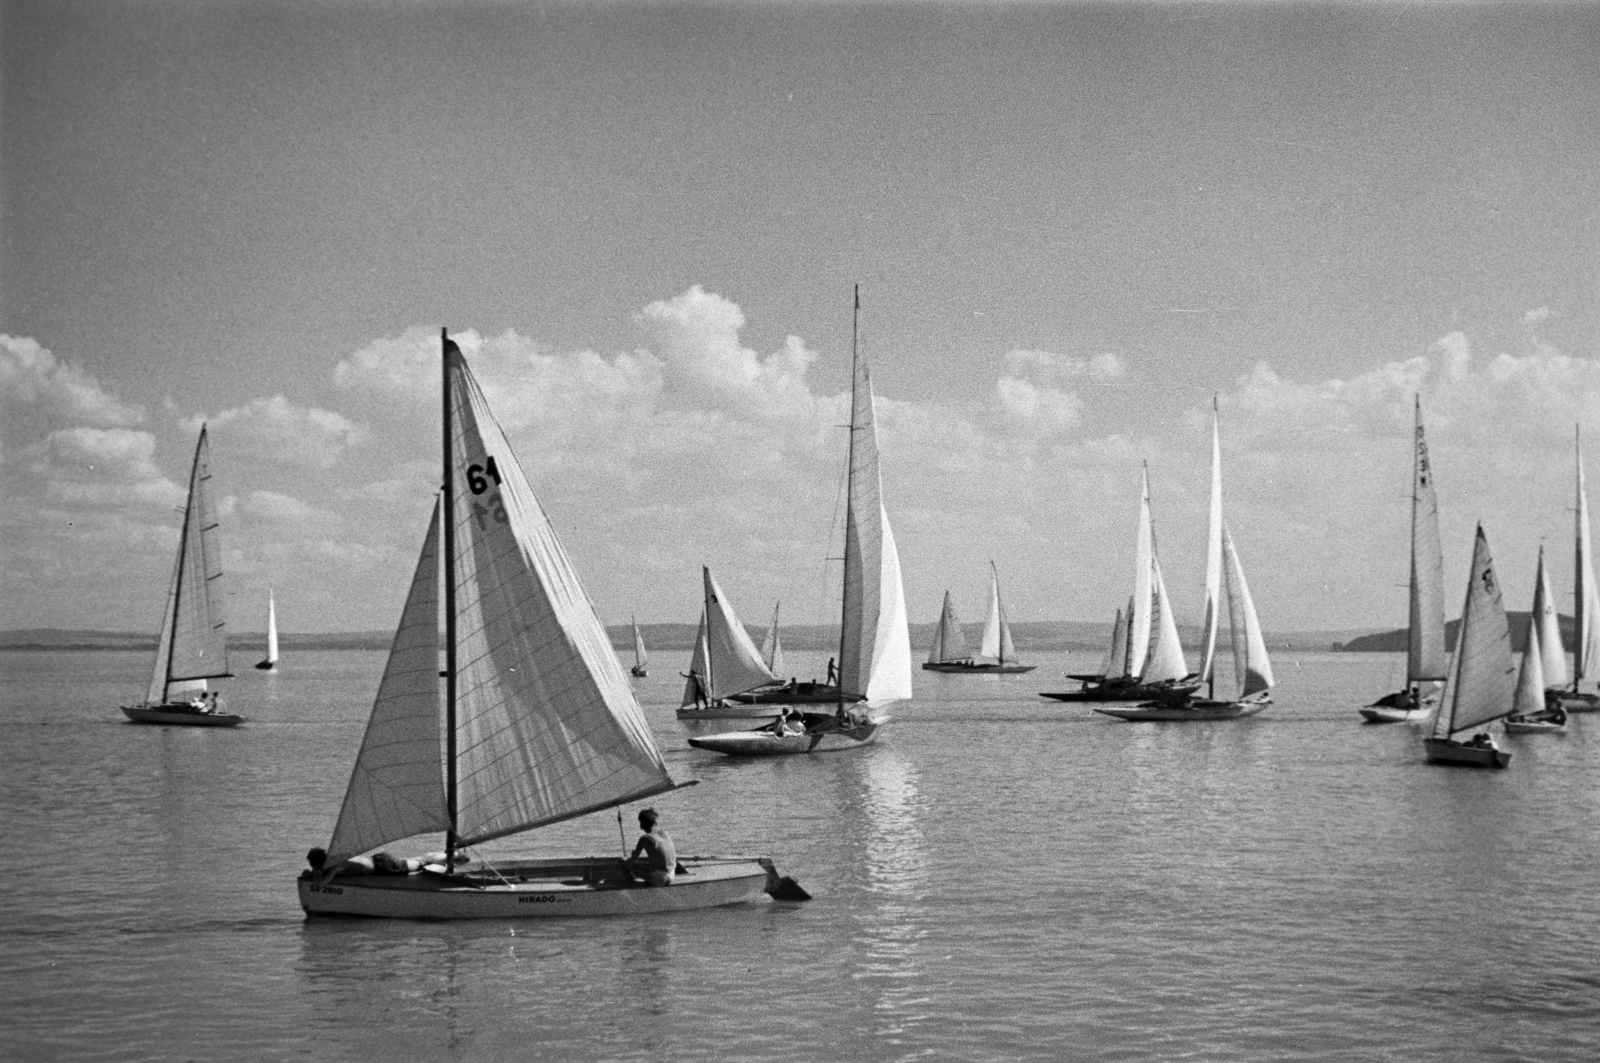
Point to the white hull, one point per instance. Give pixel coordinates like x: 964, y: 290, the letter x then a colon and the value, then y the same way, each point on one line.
x: 576, y: 887
x: 767, y: 744
x: 1533, y: 727
x: 732, y: 710
x: 1384, y: 714
x: 180, y: 716
x: 1445, y: 751
x: 1579, y: 703
x: 1215, y: 710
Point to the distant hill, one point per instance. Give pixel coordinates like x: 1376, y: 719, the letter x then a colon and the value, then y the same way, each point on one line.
x: 1395, y: 641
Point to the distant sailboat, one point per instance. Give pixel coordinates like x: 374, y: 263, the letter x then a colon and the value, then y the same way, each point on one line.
x: 1481, y: 686
x: 1585, y: 602
x: 193, y: 644
x: 1529, y: 712
x: 536, y: 724
x: 874, y: 641
x: 1152, y: 663
x: 640, y: 657
x: 270, y: 664
x: 997, y: 653
x: 1427, y: 660
x: 772, y: 646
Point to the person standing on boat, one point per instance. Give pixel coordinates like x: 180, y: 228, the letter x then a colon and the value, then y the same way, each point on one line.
x: 833, y: 672
x: 654, y: 859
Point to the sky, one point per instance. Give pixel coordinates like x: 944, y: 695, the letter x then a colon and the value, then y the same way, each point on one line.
x: 1073, y: 227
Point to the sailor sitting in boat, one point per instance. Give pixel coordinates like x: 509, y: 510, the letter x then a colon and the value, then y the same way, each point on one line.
x: 789, y: 722
x: 654, y: 858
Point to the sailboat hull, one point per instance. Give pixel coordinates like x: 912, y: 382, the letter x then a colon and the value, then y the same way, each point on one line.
x: 541, y: 889
x: 731, y: 710
x: 797, y: 694
x: 1579, y: 703
x: 1116, y: 690
x: 267, y: 666
x: 1191, y: 713
x: 1385, y: 714
x: 637, y: 672
x: 1445, y: 751
x: 977, y: 668
x: 180, y: 716
x: 765, y: 743
x: 1534, y: 726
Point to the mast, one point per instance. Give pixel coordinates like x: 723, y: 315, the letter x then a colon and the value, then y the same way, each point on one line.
x: 705, y: 599
x: 183, y: 546
x: 448, y: 492
x: 850, y: 460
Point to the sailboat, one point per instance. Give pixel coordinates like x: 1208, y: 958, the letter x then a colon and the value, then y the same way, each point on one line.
x: 1427, y: 660
x: 772, y: 645
x: 997, y: 653
x: 1151, y: 656
x: 536, y: 723
x: 1585, y: 602
x: 1529, y: 712
x: 270, y: 663
x: 874, y: 661
x: 1252, y: 667
x: 725, y: 663
x: 193, y: 645
x: 640, y: 657
x: 1480, y: 686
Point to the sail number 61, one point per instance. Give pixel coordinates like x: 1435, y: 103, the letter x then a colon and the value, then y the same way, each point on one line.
x: 478, y: 477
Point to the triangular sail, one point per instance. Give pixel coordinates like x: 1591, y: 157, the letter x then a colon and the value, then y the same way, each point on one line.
x: 640, y: 657
x: 1426, y: 656
x: 875, y: 640
x: 1482, y: 675
x: 1251, y: 667
x: 735, y: 665
x: 1547, y: 628
x: 547, y: 724
x: 158, y: 692
x: 694, y: 682
x: 772, y: 645
x: 1124, y: 637
x: 1529, y: 697
x: 199, y: 641
x: 272, y: 629
x: 1208, y: 637
x: 1112, y: 664
x: 1143, y: 555
x: 1586, y: 597
x: 997, y: 644
x: 397, y: 788
x: 949, y: 642
x: 1165, y: 659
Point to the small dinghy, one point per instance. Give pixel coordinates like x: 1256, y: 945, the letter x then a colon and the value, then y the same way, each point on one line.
x: 641, y: 659
x: 1479, y: 689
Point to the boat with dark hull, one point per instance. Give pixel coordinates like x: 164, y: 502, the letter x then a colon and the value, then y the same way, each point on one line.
x: 1480, y: 687
x: 997, y: 653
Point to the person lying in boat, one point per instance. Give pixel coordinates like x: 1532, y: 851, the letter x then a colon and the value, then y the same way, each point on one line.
x: 654, y: 858
x: 379, y: 863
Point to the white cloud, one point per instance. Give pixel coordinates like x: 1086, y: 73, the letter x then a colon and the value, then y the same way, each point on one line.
x: 297, y: 435
x: 102, y: 467
x: 269, y: 507
x: 31, y: 376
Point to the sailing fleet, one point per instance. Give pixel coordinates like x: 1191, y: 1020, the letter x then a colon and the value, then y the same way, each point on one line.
x: 531, y: 720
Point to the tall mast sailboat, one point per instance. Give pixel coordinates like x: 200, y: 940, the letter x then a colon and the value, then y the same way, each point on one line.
x: 997, y: 652
x: 1427, y: 660
x: 193, y: 645
x: 535, y: 722
x: 874, y: 662
x: 1481, y: 685
x: 1585, y: 601
x: 270, y: 662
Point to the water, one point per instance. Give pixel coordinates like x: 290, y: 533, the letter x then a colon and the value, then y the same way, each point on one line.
x: 1000, y: 878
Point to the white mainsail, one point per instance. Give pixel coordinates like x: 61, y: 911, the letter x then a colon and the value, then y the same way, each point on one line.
x: 772, y: 645
x: 1586, y: 597
x: 193, y: 645
x: 1165, y: 659
x: 1482, y: 675
x: 875, y: 638
x: 734, y: 665
x: 1546, y: 626
x: 997, y: 644
x: 1251, y: 667
x: 1426, y: 656
x: 1208, y: 637
x: 1529, y: 697
x: 547, y: 724
x: 1143, y: 555
x: 694, y: 682
x: 949, y: 642
x: 1124, y: 642
x: 272, y: 630
x: 1117, y: 650
x: 640, y: 657
x: 397, y: 788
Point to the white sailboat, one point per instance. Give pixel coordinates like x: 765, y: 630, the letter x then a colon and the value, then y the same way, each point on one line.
x: 874, y: 661
x: 1480, y: 686
x: 1151, y: 655
x: 1585, y: 602
x: 640, y: 657
x: 270, y: 662
x: 1529, y: 712
x: 1427, y: 660
x: 772, y: 645
x: 536, y: 724
x: 997, y: 652
x: 726, y: 664
x: 193, y: 645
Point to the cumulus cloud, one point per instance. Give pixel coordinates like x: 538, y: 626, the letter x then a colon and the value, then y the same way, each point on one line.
x: 31, y: 376
x: 297, y: 435
x: 269, y: 507
x: 102, y: 467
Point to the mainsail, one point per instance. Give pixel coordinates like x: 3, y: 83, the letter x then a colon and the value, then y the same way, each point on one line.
x: 772, y: 645
x: 640, y: 657
x: 875, y: 638
x: 1208, y: 637
x: 1426, y: 656
x: 997, y: 644
x: 272, y: 629
x: 1165, y: 659
x: 1143, y: 556
x: 193, y: 645
x: 1482, y: 676
x: 734, y: 665
x: 1545, y: 625
x: 1586, y: 597
x: 949, y: 642
x: 1251, y: 668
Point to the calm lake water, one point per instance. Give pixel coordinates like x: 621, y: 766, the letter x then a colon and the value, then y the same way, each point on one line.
x: 1000, y: 878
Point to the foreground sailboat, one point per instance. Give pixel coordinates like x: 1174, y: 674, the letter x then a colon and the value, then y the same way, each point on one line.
x: 193, y: 645
x: 640, y: 657
x: 270, y: 662
x: 997, y: 653
x: 725, y: 663
x: 1585, y: 603
x: 537, y: 723
x: 874, y: 639
x: 1151, y: 657
x: 1426, y: 658
x: 1480, y: 687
